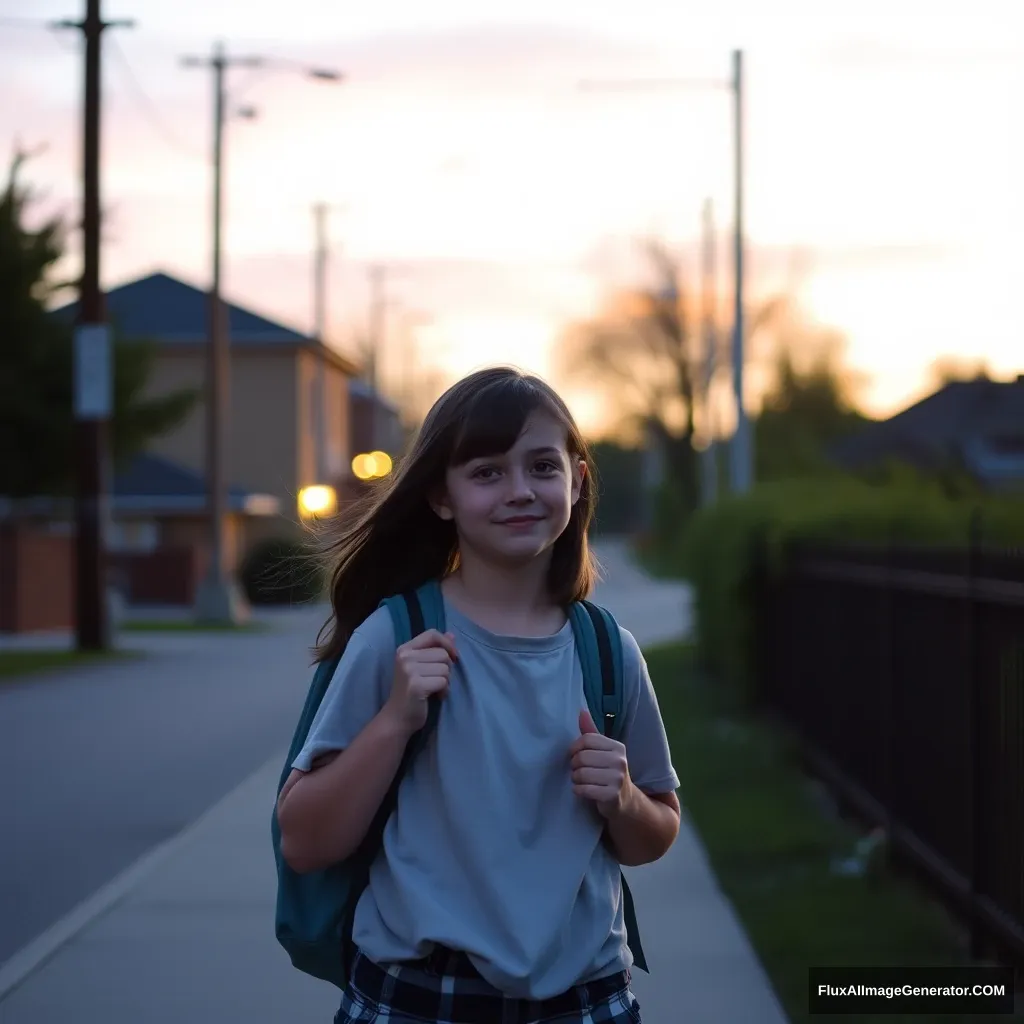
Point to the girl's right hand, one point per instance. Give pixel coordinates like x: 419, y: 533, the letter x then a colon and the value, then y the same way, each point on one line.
x: 422, y: 668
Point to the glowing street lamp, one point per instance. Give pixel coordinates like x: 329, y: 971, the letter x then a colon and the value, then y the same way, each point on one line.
x: 317, y: 500
x: 371, y: 465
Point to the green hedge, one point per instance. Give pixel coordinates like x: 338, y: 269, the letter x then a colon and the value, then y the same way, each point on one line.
x: 723, y: 548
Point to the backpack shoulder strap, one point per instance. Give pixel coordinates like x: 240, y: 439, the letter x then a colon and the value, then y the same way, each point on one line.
x: 599, y: 644
x: 415, y: 611
x: 412, y: 613
x: 431, y: 605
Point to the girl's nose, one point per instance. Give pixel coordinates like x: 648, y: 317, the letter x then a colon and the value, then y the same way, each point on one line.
x: 522, y: 487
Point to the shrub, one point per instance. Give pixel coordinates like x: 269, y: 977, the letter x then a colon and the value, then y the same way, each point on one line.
x: 280, y: 571
x: 726, y: 547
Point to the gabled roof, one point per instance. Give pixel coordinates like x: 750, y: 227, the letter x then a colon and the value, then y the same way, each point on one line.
x: 150, y: 481
x: 152, y: 485
x: 168, y: 310
x: 941, y: 424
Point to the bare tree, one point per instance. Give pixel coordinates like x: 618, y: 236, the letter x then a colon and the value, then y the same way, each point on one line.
x: 647, y: 355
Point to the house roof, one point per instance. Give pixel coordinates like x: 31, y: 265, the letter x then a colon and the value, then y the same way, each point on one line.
x: 152, y: 485
x: 150, y: 482
x: 171, y: 311
x: 945, y: 422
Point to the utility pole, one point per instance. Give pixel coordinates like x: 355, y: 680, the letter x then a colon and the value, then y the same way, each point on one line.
x: 378, y: 277
x: 378, y: 301
x: 321, y: 255
x: 93, y: 365
x: 741, y: 450
x: 320, y: 331
x: 219, y: 599
x: 412, y: 322
x: 709, y: 303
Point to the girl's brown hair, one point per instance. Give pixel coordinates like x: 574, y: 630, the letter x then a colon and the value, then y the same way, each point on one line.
x: 393, y: 541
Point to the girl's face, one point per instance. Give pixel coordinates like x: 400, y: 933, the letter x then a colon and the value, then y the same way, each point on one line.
x: 514, y: 506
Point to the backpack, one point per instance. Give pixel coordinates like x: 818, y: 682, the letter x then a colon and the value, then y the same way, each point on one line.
x: 315, y: 910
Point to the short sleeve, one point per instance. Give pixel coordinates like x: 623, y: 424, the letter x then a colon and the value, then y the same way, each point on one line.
x: 644, y: 736
x: 358, y: 690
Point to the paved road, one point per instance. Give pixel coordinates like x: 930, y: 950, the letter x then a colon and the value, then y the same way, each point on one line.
x: 100, y: 764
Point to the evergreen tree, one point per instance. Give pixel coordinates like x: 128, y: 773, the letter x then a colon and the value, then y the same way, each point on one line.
x: 37, y: 363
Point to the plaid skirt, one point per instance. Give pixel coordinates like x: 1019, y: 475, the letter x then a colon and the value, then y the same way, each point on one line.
x: 445, y: 988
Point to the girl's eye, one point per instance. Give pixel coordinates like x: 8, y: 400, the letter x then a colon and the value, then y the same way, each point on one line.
x: 546, y: 466
x: 481, y: 473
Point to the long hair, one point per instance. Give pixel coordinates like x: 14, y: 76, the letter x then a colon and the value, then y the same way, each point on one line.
x: 393, y: 541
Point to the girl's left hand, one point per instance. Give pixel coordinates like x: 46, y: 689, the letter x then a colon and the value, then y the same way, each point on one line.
x: 599, y: 769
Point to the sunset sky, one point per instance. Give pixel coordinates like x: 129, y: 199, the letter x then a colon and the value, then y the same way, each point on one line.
x: 885, y: 155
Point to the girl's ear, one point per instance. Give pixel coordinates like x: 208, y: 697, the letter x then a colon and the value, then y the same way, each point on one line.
x: 440, y: 504
x: 579, y: 473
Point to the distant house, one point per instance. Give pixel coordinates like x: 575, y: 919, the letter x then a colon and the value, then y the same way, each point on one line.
x: 272, y: 432
x: 155, y: 543
x: 976, y: 425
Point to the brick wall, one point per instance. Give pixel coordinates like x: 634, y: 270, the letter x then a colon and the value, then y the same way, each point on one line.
x: 36, y: 579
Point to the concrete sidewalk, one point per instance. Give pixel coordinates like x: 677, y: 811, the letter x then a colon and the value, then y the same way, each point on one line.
x: 187, y: 933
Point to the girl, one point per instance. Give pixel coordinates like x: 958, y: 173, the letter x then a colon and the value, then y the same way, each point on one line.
x: 496, y: 897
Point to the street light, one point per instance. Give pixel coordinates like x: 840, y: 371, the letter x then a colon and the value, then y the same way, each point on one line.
x: 317, y: 500
x: 218, y: 598
x: 741, y: 449
x: 371, y: 465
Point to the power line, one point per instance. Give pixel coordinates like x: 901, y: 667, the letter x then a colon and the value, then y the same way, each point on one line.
x: 149, y: 108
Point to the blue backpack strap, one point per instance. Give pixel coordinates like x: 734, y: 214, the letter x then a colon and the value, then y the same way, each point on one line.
x: 412, y: 613
x: 432, y: 606
x: 599, y: 644
x: 415, y: 612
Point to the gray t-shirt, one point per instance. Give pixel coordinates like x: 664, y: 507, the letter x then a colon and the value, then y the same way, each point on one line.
x: 489, y: 850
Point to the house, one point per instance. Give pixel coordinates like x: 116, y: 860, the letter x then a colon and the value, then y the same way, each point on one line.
x: 975, y: 425
x: 274, y: 386
x: 155, y: 543
x: 158, y: 528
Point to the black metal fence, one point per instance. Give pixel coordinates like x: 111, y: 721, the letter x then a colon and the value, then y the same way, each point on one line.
x: 902, y: 672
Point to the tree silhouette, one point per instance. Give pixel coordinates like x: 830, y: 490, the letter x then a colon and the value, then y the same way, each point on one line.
x: 37, y: 359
